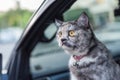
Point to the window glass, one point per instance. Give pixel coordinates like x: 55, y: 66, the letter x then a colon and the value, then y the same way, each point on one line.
x: 47, y: 57
x: 50, y: 31
x: 104, y: 15
x: 14, y: 15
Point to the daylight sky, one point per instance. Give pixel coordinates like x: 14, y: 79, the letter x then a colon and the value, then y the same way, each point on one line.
x: 29, y: 4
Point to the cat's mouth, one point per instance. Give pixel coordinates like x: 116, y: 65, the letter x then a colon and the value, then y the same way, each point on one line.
x: 65, y: 44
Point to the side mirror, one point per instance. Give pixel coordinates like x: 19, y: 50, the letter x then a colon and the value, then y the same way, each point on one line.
x: 0, y: 66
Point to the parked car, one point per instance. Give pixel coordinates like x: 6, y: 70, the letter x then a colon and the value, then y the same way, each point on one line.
x: 36, y: 55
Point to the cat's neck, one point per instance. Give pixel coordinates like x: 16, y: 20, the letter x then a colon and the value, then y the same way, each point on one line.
x: 92, y: 45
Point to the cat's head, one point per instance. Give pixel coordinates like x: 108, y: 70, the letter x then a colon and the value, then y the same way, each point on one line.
x: 74, y: 36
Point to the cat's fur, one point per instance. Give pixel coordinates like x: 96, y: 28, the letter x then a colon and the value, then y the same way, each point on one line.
x: 96, y: 63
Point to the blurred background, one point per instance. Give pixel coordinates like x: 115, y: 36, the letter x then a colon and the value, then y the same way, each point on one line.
x: 15, y: 14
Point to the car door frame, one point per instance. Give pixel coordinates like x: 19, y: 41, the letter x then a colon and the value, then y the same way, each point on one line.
x: 18, y: 65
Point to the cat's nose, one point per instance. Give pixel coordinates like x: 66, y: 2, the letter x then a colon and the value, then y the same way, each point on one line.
x: 63, y: 40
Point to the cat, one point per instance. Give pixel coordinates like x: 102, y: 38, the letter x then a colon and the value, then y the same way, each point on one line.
x: 90, y: 59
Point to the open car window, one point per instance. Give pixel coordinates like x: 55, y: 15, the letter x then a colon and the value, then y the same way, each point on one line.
x: 48, y: 58
x: 45, y: 55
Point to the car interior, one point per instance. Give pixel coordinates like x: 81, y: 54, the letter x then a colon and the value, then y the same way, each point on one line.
x: 49, y: 62
x: 37, y: 55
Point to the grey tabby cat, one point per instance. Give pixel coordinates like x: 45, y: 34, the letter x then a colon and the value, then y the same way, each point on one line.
x: 90, y: 59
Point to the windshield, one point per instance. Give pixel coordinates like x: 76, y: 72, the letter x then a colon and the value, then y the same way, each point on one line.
x: 14, y: 15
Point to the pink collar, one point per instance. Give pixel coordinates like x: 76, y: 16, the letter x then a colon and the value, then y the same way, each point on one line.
x: 77, y: 58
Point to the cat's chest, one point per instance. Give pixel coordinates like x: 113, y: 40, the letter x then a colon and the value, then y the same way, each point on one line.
x: 81, y: 62
x: 83, y: 66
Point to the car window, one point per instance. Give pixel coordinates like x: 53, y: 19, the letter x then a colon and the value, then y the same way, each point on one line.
x: 50, y: 31
x: 47, y: 57
x: 14, y: 16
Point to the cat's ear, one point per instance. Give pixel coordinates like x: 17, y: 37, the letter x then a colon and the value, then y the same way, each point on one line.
x: 58, y: 22
x: 83, y: 20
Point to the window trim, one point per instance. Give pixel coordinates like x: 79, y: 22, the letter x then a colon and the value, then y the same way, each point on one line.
x: 19, y: 62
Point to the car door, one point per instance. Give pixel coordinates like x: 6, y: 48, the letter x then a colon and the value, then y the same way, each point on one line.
x: 37, y: 55
x: 19, y: 64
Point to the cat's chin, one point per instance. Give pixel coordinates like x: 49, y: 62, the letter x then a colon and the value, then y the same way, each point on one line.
x: 71, y: 52
x: 66, y: 48
x: 75, y: 52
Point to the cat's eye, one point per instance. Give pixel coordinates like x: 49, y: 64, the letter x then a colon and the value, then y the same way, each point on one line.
x: 60, y: 34
x: 71, y: 33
